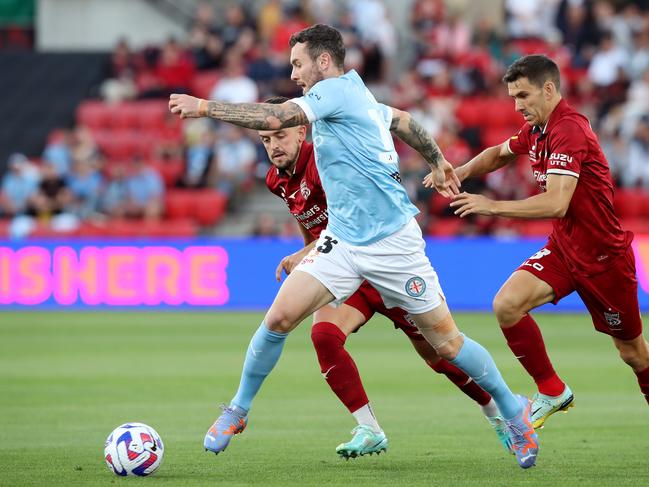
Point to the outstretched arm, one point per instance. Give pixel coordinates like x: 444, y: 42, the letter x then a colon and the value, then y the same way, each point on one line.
x: 553, y: 203
x: 442, y: 176
x: 257, y: 116
x: 487, y: 161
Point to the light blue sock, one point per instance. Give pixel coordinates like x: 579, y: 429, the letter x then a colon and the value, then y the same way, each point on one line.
x: 476, y: 362
x: 263, y: 353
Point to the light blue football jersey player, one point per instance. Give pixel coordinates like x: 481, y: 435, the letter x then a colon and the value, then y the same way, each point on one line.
x: 355, y: 156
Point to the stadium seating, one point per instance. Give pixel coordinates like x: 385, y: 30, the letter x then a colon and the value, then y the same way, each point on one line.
x: 206, y: 206
x: 631, y: 203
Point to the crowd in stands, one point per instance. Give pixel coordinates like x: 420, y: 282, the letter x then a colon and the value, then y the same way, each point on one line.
x: 129, y: 160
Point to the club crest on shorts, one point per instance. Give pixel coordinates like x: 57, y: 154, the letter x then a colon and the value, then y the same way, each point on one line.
x: 613, y: 319
x: 415, y: 287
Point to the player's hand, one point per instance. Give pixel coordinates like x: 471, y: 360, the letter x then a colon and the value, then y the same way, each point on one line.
x: 443, y: 179
x: 288, y: 263
x: 187, y: 106
x: 467, y: 204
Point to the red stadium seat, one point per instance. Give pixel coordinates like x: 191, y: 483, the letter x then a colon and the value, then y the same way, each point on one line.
x: 438, y: 204
x: 210, y: 207
x: 631, y: 203
x: 535, y: 228
x: 151, y: 114
x: 206, y: 206
x: 495, y: 135
x: 501, y: 112
x: 639, y: 226
x: 118, y: 145
x: 203, y: 83
x: 469, y: 112
x: 94, y: 114
x: 445, y: 227
x: 170, y: 171
x: 179, y: 203
x: 125, y: 115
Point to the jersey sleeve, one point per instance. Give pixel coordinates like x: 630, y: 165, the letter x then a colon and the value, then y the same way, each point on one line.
x: 520, y: 143
x: 568, y: 149
x: 324, y: 100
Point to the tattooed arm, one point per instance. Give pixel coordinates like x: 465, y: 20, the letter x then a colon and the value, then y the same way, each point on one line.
x: 257, y: 116
x: 442, y: 176
x: 412, y: 133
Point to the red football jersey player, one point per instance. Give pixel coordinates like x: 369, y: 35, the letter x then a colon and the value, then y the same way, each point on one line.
x: 587, y: 252
x: 294, y: 177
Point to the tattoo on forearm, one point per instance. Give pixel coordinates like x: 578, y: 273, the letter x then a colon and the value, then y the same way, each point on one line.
x: 417, y: 138
x: 258, y: 116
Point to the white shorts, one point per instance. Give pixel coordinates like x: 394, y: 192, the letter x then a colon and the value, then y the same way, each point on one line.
x: 396, y: 266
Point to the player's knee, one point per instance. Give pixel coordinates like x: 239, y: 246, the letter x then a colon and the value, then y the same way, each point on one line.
x: 327, y: 339
x: 450, y: 348
x: 629, y: 356
x: 634, y: 356
x: 279, y: 321
x: 507, y: 308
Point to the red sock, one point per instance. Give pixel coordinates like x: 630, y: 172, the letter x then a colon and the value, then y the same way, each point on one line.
x: 337, y: 365
x: 526, y: 341
x: 462, y: 381
x: 643, y: 380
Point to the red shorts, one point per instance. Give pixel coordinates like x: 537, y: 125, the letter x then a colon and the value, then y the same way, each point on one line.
x: 368, y: 301
x: 610, y: 296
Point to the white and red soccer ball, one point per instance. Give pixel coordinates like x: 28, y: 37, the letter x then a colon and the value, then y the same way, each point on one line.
x: 133, y: 449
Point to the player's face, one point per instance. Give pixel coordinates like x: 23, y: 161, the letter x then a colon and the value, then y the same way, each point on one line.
x: 532, y: 101
x: 283, y: 146
x: 305, y: 71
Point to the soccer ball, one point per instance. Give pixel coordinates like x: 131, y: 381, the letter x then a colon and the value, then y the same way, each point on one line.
x: 133, y: 449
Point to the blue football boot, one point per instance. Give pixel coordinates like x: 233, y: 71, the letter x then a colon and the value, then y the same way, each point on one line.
x: 232, y: 421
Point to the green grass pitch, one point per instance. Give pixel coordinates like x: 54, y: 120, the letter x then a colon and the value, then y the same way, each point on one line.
x: 67, y: 379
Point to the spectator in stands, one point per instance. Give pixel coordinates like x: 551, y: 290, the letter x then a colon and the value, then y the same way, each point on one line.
x: 52, y: 196
x: 58, y: 152
x: 293, y: 20
x: 607, y: 71
x: 579, y: 31
x: 120, y: 74
x: 637, y: 173
x: 528, y: 19
x: 234, y: 86
x: 134, y: 192
x: 237, y: 32
x: 174, y: 70
x: 83, y: 144
x: 19, y: 185
x: 267, y: 69
x: 265, y: 226
x: 204, y: 42
x: 608, y: 64
x: 269, y: 19
x: 198, y: 162
x: 86, y: 184
x: 639, y: 62
x: 234, y: 163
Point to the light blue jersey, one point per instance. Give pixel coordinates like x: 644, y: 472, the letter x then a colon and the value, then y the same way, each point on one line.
x: 355, y: 155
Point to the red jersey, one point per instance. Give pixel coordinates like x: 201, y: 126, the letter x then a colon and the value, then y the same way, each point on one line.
x: 589, y: 236
x: 302, y: 192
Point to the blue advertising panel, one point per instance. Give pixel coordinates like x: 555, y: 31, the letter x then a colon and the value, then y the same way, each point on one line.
x: 233, y: 274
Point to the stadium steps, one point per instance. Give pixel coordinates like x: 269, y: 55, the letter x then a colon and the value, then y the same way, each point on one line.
x: 43, y: 91
x: 258, y: 201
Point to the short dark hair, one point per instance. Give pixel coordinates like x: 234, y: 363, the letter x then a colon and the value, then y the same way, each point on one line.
x: 277, y: 100
x: 537, y: 68
x: 321, y: 38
